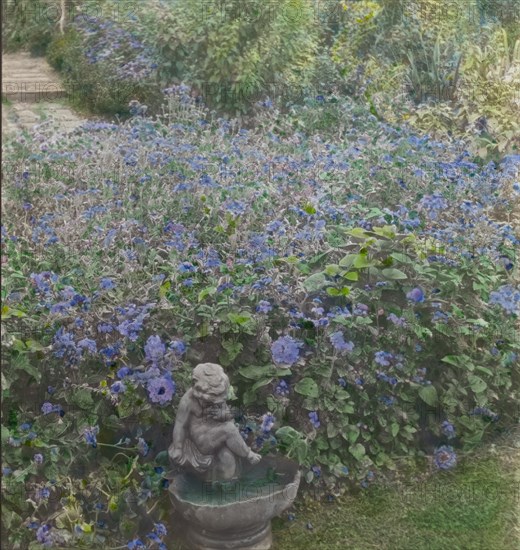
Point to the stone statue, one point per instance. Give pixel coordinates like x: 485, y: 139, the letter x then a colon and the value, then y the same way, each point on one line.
x: 205, y: 437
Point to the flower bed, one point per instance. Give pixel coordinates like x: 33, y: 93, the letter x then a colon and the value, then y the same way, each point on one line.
x: 360, y: 294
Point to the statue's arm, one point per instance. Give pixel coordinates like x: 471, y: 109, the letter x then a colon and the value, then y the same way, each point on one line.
x: 180, y: 429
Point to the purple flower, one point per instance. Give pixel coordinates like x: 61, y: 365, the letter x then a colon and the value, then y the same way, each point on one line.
x: 154, y: 349
x: 90, y: 434
x: 338, y: 342
x: 187, y: 267
x: 264, y: 306
x: 136, y: 544
x: 43, y: 535
x: 107, y: 284
x: 47, y: 408
x: 117, y: 387
x: 160, y: 529
x: 361, y: 309
x: 445, y: 457
x: 177, y: 346
x: 161, y: 390
x: 124, y: 371
x: 286, y: 350
x: 448, y: 429
x: 38, y: 458
x: 383, y: 358
x: 416, y: 295
x: 142, y: 446
x: 268, y: 421
x: 313, y: 417
x: 88, y: 344
x: 282, y: 388
x: 397, y: 321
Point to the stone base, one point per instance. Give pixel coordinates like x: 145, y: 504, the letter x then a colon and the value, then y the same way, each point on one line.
x: 257, y: 539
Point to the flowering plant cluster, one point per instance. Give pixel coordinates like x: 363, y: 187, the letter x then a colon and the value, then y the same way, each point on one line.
x: 336, y: 298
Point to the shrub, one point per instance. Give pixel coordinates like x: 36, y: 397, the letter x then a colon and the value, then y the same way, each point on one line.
x: 29, y: 24
x: 235, y: 53
x: 104, y: 67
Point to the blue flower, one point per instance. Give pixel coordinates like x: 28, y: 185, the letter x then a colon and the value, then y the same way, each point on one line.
x: 286, y: 350
x: 264, y: 306
x: 160, y: 529
x: 38, y: 458
x: 88, y: 344
x: 268, y: 421
x: 47, y: 408
x: 90, y: 434
x: 136, y: 544
x: 383, y: 358
x: 6, y: 471
x: 445, y: 457
x: 507, y: 297
x: 282, y: 388
x: 338, y: 342
x: 124, y: 371
x: 117, y: 387
x: 416, y: 295
x: 448, y: 429
x: 142, y: 447
x: 177, y: 346
x: 43, y: 535
x: 397, y: 321
x: 107, y: 284
x: 315, y: 421
x: 161, y: 390
x: 154, y: 349
x: 187, y: 267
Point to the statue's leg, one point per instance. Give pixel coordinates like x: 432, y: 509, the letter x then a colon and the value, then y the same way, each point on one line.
x: 225, y: 464
x: 224, y: 434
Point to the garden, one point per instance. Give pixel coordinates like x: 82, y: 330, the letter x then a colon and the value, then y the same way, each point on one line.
x: 321, y: 197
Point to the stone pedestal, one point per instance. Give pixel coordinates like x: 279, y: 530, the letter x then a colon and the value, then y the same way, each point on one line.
x: 239, y: 516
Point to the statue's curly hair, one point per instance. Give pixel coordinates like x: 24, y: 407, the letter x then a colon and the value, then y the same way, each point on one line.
x: 209, y: 379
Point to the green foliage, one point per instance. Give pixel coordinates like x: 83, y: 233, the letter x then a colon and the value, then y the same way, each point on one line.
x: 29, y: 24
x: 234, y: 54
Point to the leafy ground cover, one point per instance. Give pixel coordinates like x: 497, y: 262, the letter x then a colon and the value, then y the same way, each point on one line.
x: 360, y: 292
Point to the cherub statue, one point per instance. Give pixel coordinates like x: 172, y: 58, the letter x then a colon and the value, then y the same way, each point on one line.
x: 205, y: 436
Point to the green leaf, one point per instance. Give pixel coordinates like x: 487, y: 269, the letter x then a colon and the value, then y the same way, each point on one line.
x: 347, y: 260
x: 261, y: 383
x: 83, y: 398
x: 22, y: 362
x: 353, y: 433
x: 403, y: 258
x: 428, y: 394
x: 307, y: 387
x: 351, y: 275
x: 256, y: 372
x: 394, y: 429
x: 357, y: 451
x: 394, y: 274
x: 477, y: 384
x: 362, y: 261
x: 345, y: 291
x: 208, y: 291
x: 357, y: 232
x: 164, y: 288
x: 315, y: 282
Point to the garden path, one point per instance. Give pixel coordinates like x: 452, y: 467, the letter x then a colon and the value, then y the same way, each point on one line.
x: 31, y: 93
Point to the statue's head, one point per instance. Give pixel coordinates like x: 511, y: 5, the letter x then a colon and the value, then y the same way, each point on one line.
x: 210, y: 382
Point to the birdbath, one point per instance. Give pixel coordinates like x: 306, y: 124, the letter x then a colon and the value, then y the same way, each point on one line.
x: 226, y: 494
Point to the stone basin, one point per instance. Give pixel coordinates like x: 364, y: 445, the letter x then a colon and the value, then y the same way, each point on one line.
x: 235, y: 514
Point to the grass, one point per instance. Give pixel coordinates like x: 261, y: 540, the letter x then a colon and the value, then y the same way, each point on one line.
x: 473, y: 507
